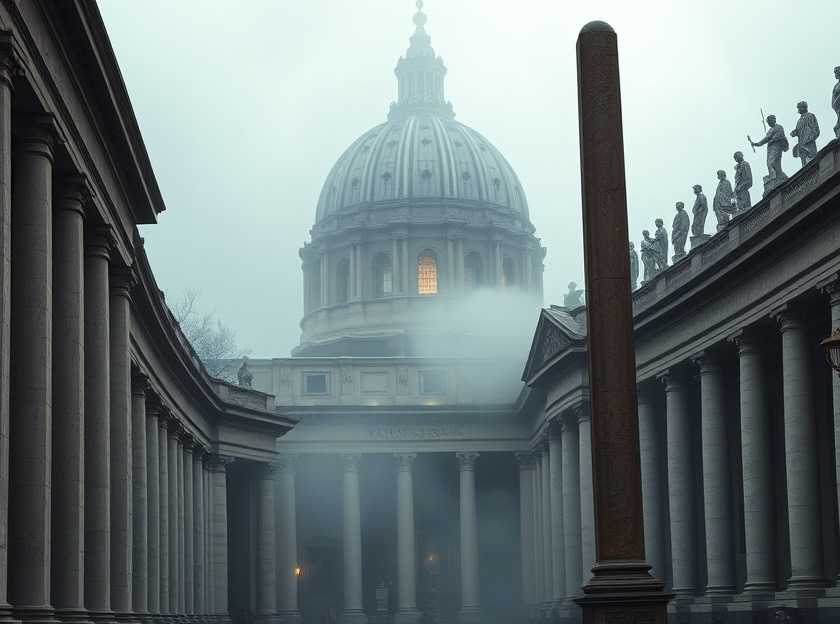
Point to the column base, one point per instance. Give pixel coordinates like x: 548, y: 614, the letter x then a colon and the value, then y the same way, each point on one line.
x: 470, y: 615
x: 268, y: 618
x: 35, y: 615
x: 73, y: 616
x: 407, y: 616
x: 354, y: 616
x: 623, y: 589
x: 289, y: 617
x: 6, y: 614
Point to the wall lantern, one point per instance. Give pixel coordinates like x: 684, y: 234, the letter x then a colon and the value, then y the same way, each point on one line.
x: 831, y: 346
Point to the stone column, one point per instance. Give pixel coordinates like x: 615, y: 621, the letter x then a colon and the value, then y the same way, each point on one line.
x: 97, y: 427
x: 219, y: 538
x: 179, y: 481
x: 587, y: 508
x: 266, y: 546
x: 526, y: 472
x: 717, y: 496
x: 548, y: 559
x: 470, y: 606
x: 459, y: 263
x: 198, y: 532
x: 30, y: 453
x: 7, y: 68
x: 801, y: 453
x: 325, y: 286
x: 163, y: 479
x: 571, y: 504
x: 352, y: 542
x: 653, y: 479
x: 558, y: 565
x: 153, y: 502
x: 396, y: 272
x: 406, y: 552
x: 121, y: 471
x: 287, y: 557
x: 757, y: 468
x: 172, y: 507
x: 833, y: 292
x: 189, y: 529
x: 209, y: 578
x: 140, y: 498
x: 68, y: 379
x: 680, y: 490
x: 407, y: 267
x: 539, y: 530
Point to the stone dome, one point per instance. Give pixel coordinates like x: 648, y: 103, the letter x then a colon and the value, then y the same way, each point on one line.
x: 422, y: 155
x: 421, y: 152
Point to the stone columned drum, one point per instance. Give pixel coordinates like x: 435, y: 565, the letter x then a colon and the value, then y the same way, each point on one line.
x: 418, y: 211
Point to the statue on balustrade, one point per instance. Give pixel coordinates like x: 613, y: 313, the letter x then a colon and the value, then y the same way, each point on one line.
x: 574, y: 297
x: 243, y: 375
x: 724, y: 201
x: 807, y: 129
x: 743, y: 183
x: 661, y: 237
x: 649, y: 248
x: 777, y: 144
x: 700, y: 210
x: 835, y: 101
x: 634, y: 267
x: 679, y: 231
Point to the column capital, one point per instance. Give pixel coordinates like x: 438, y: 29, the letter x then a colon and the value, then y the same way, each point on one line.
x: 748, y: 340
x: 351, y: 461
x: 708, y: 361
x: 286, y: 463
x: 831, y: 287
x: 11, y: 61
x: 218, y: 463
x: 139, y: 382
x: 100, y: 241
x: 405, y: 461
x: 789, y: 316
x: 73, y: 193
x: 266, y: 470
x: 466, y: 460
x: 36, y: 133
x: 581, y: 412
x: 673, y: 379
x: 122, y: 279
x: 525, y: 460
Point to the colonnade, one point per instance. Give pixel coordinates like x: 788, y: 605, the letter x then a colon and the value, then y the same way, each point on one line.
x: 557, y: 528
x: 285, y: 578
x: 108, y: 507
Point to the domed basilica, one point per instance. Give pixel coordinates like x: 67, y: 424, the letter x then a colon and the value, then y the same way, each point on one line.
x: 417, y: 211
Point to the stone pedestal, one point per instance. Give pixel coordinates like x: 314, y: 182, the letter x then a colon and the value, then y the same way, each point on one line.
x: 774, y: 182
x: 698, y: 240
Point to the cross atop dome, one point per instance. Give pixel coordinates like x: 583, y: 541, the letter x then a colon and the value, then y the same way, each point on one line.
x: 420, y: 75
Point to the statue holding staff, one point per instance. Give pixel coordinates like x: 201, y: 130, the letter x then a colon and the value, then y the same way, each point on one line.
x: 777, y: 144
x: 807, y: 129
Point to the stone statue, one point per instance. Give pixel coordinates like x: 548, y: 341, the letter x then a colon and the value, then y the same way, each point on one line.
x: 807, y: 129
x: 777, y: 144
x: 700, y: 210
x: 243, y: 375
x: 679, y: 231
x: 634, y: 267
x: 574, y: 297
x: 743, y: 183
x: 724, y: 202
x: 835, y: 101
x: 661, y: 237
x: 649, y: 248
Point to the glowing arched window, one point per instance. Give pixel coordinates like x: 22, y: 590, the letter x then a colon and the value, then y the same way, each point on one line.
x: 508, y: 273
x: 342, y: 281
x: 472, y: 270
x: 427, y: 282
x: 383, y: 276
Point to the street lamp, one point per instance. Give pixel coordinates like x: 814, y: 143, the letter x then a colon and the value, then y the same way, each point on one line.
x: 831, y: 345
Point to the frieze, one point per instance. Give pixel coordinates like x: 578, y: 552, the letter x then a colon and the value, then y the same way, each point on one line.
x: 755, y: 219
x: 431, y: 432
x: 799, y: 186
x: 715, y: 248
x: 553, y: 342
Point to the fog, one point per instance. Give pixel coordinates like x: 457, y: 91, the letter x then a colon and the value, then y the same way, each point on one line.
x: 244, y: 109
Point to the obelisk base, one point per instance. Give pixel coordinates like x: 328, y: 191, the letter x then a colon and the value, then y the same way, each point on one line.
x: 623, y: 591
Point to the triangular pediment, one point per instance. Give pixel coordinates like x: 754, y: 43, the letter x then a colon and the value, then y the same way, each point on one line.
x: 557, y: 332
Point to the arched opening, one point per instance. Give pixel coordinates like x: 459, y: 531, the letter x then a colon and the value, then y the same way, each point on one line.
x: 342, y: 281
x: 508, y: 273
x: 427, y: 274
x: 383, y: 276
x: 472, y: 270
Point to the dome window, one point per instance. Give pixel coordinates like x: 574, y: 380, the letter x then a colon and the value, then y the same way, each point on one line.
x: 427, y: 274
x: 426, y: 141
x: 466, y: 176
x: 383, y: 276
x: 425, y: 175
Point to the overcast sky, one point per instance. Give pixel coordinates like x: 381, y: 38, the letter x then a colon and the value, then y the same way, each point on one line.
x: 245, y: 107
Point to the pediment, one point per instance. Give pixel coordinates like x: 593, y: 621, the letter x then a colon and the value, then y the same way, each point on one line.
x: 556, y: 332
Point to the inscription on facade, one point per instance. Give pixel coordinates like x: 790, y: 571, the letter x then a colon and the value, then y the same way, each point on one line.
x: 415, y: 433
